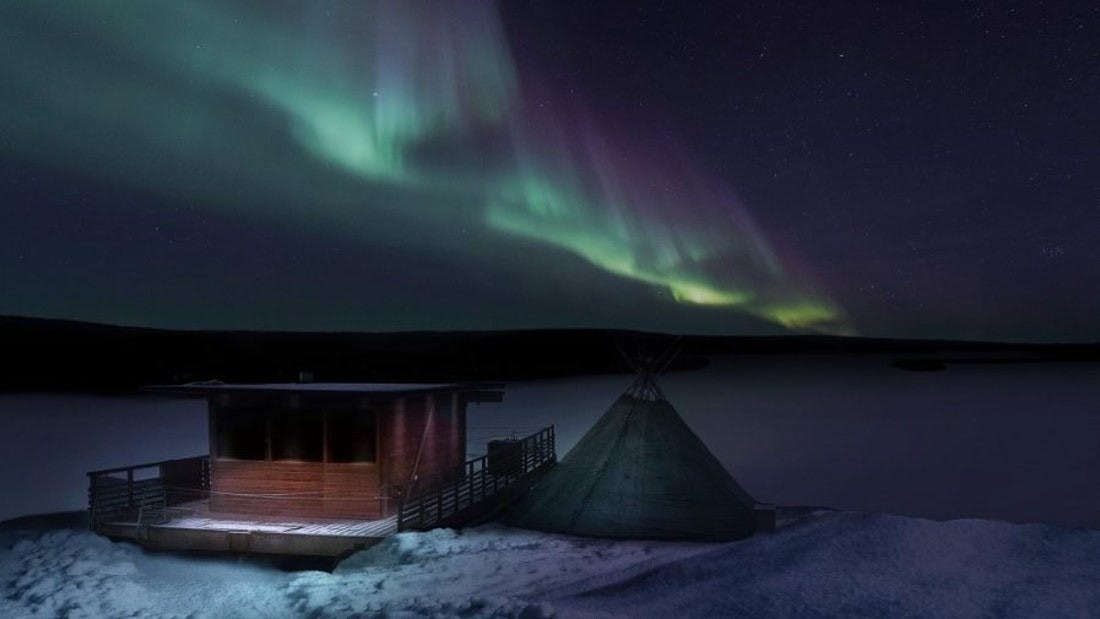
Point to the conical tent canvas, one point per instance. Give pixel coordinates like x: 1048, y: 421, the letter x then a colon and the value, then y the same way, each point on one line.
x: 639, y: 472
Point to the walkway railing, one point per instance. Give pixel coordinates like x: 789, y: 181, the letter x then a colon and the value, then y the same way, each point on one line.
x: 130, y: 493
x: 507, y: 465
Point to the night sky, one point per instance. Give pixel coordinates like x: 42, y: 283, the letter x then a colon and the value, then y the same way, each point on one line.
x: 882, y: 169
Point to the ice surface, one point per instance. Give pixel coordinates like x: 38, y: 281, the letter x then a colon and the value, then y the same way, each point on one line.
x: 820, y: 563
x: 1005, y: 442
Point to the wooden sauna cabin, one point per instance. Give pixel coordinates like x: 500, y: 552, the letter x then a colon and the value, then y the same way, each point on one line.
x: 317, y: 469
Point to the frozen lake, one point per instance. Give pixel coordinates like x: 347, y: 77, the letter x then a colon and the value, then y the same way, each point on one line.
x: 1016, y: 442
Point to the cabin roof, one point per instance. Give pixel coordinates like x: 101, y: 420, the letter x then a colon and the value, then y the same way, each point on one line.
x: 216, y: 387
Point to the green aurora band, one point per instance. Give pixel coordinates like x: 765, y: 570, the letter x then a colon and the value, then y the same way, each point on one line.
x: 366, y: 117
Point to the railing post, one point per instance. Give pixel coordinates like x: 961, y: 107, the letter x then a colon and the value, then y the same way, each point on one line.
x: 470, y: 482
x: 130, y: 488
x: 92, y: 502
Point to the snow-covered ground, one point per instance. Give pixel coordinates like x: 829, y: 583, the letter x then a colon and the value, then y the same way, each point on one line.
x: 819, y: 563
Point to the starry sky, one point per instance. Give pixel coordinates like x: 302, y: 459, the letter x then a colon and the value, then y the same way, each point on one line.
x: 879, y: 169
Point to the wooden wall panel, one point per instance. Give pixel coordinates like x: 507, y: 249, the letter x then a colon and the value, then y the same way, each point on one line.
x: 402, y: 426
x: 437, y: 422
x: 432, y: 425
x: 306, y: 489
x: 353, y: 490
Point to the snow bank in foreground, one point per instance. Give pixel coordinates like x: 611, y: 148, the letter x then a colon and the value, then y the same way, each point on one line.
x: 824, y: 563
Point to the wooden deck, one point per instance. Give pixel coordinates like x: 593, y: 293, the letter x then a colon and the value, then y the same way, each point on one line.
x: 192, y: 526
x: 197, y: 515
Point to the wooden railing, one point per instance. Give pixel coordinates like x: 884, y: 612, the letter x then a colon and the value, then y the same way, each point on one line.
x: 133, y: 493
x: 505, y: 469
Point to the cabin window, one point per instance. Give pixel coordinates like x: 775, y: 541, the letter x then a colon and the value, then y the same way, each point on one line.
x: 242, y: 434
x: 297, y: 435
x: 351, y: 436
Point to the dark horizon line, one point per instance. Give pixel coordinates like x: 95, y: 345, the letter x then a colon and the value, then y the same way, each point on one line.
x: 7, y: 320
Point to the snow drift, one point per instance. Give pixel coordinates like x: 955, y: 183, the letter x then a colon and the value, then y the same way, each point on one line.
x: 819, y: 563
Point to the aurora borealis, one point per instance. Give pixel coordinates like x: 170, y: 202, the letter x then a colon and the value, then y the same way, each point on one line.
x: 396, y: 165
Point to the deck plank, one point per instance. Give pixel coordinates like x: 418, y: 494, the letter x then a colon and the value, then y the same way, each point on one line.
x: 196, y: 515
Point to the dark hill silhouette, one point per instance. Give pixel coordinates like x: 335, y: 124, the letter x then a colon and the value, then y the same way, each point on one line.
x: 61, y: 355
